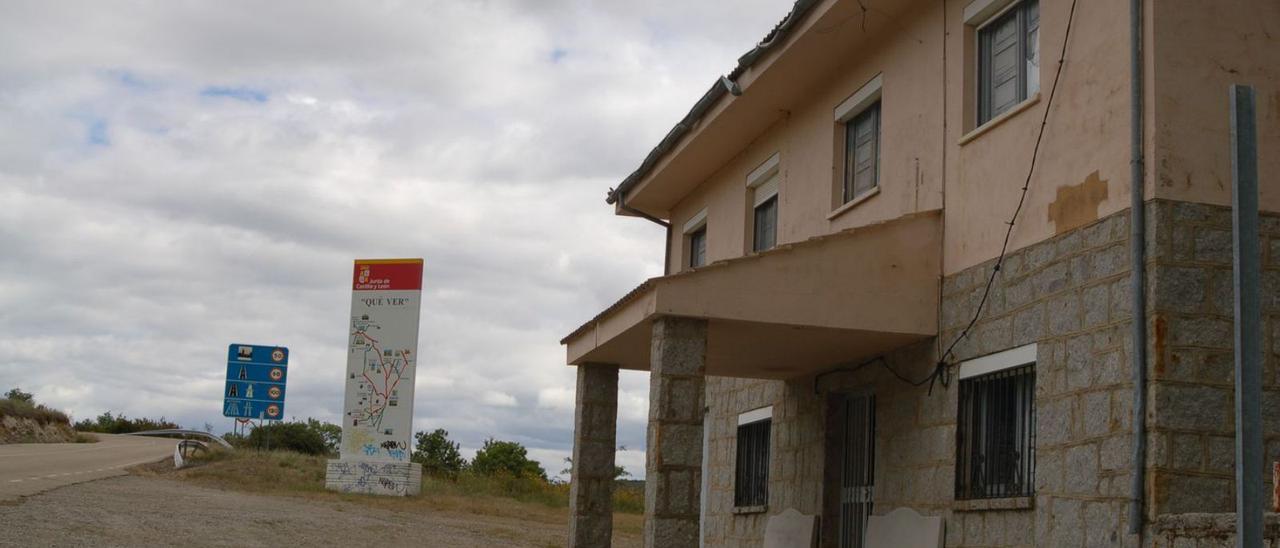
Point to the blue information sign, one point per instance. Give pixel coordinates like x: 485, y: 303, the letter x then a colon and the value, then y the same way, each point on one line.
x: 256, y: 377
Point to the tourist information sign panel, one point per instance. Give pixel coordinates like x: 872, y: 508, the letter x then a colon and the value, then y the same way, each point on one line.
x: 256, y: 377
x: 382, y: 360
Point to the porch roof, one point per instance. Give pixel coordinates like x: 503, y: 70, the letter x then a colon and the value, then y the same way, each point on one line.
x: 793, y: 310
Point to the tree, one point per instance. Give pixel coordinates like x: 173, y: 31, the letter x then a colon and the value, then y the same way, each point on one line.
x: 331, y: 433
x: 618, y: 471
x: 506, y: 457
x: 436, y: 454
x: 17, y: 394
x: 289, y: 436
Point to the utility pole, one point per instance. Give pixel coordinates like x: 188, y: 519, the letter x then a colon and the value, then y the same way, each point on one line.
x: 1245, y: 273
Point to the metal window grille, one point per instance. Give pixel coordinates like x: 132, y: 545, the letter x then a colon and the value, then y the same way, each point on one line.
x: 766, y: 225
x: 995, y: 439
x: 1008, y: 59
x: 698, y: 248
x: 751, y: 474
x: 862, y: 153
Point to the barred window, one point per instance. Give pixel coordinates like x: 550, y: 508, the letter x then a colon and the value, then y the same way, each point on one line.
x: 751, y: 473
x: 995, y: 438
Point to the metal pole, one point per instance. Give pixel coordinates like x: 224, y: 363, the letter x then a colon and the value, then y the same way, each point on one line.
x: 1244, y: 218
x: 1137, y: 271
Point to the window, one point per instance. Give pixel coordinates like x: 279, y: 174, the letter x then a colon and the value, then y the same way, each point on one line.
x: 695, y: 239
x: 862, y: 153
x: 766, y: 224
x: 763, y: 193
x: 698, y: 248
x: 1008, y: 59
x: 995, y: 437
x: 858, y: 123
x: 751, y: 471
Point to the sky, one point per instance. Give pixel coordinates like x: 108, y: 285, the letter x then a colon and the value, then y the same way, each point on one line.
x: 179, y: 176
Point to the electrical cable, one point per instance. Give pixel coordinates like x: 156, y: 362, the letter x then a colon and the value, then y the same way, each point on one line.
x: 1035, y: 154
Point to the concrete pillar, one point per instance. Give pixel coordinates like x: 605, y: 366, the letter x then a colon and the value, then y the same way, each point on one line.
x: 673, y: 467
x: 594, y: 439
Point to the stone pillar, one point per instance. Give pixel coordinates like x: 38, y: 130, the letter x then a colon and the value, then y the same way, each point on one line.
x: 594, y: 439
x: 673, y: 467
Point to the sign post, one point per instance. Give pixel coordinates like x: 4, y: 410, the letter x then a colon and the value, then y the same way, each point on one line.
x: 256, y: 377
x: 382, y: 347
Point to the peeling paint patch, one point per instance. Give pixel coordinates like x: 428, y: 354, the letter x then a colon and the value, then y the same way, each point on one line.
x: 1077, y: 205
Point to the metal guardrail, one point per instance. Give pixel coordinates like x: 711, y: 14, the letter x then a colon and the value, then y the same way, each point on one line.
x: 184, y: 432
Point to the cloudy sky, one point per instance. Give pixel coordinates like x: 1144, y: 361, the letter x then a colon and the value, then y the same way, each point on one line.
x: 178, y: 176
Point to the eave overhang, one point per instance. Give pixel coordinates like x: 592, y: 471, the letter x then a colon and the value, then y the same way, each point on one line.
x: 812, y: 43
x: 794, y: 310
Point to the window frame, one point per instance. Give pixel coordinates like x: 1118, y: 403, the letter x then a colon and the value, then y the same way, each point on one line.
x: 987, y: 385
x: 867, y: 100
x: 764, y: 238
x: 763, y: 192
x: 698, y: 247
x: 751, y: 485
x: 1027, y: 85
x: 849, y: 186
x: 693, y: 228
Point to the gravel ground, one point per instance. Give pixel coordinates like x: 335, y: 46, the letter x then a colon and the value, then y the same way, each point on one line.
x: 141, y: 511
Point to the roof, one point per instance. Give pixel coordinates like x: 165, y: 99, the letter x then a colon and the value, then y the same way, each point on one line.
x: 722, y: 85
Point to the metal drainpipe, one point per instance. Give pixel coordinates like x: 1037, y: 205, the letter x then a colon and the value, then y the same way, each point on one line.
x: 666, y: 256
x: 1137, y: 273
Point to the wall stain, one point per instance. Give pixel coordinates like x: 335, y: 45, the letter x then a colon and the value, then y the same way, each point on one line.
x: 1077, y: 205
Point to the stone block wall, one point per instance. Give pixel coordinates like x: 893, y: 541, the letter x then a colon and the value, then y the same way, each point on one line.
x: 1192, y: 388
x: 1069, y: 295
x: 795, y: 459
x: 1206, y: 531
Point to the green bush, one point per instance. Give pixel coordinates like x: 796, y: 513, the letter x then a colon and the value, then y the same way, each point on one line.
x: 288, y: 436
x: 22, y: 405
x: 506, y: 457
x: 437, y: 455
x: 107, y: 423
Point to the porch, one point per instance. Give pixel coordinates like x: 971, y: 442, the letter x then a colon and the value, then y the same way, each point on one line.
x: 784, y: 314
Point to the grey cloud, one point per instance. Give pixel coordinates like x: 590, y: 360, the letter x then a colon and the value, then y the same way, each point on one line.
x: 441, y: 129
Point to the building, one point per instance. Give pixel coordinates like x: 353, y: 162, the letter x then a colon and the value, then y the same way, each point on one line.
x: 850, y: 326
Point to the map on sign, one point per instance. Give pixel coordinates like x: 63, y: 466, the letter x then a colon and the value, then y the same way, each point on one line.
x: 377, y: 386
x: 256, y: 377
x: 381, y: 360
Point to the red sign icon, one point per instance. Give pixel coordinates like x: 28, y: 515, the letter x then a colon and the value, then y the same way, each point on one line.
x: 277, y: 373
x: 273, y: 410
x: 274, y: 392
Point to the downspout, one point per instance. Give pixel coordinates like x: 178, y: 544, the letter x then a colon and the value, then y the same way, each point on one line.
x: 666, y: 256
x: 1137, y: 272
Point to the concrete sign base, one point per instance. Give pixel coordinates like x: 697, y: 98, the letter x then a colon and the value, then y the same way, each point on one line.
x: 373, y: 477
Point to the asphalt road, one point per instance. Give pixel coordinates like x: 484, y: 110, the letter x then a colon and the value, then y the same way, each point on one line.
x: 30, y: 468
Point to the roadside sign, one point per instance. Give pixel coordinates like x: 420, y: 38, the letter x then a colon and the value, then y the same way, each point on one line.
x: 256, y: 377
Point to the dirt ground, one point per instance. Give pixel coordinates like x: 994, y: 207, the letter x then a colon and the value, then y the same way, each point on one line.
x: 147, y: 510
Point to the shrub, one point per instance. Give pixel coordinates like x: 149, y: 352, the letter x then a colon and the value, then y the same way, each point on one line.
x: 288, y: 436
x: 22, y: 405
x: 331, y: 433
x: 16, y: 393
x: 107, y: 423
x: 506, y: 457
x: 437, y: 455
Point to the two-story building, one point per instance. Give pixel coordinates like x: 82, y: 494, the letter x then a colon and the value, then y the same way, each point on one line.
x: 901, y: 268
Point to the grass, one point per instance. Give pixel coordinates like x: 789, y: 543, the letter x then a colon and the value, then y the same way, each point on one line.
x: 27, y: 410
x: 286, y: 473
x: 83, y: 437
